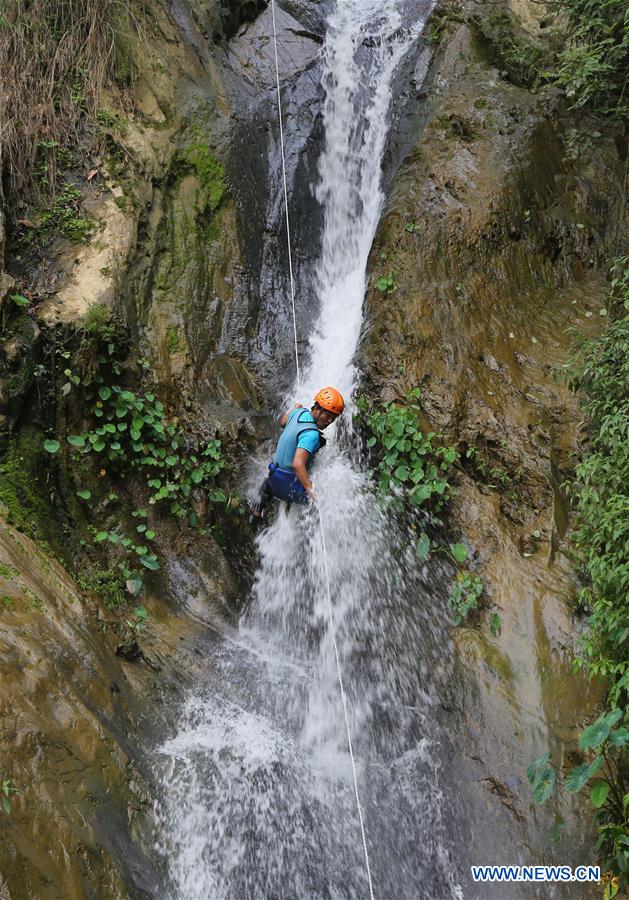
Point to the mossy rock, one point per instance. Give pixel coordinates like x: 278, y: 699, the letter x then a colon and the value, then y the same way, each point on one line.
x: 23, y: 489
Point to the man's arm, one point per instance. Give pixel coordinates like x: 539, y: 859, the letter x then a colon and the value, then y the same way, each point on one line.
x: 299, y: 465
x: 284, y: 418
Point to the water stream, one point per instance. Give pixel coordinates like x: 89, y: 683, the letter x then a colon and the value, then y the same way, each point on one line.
x: 258, y: 793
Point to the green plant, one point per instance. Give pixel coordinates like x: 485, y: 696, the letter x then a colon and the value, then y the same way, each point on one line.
x: 408, y: 459
x: 387, y: 283
x: 64, y: 216
x: 599, y: 368
x: 107, y: 583
x: 512, y: 50
x: 579, y: 143
x: 8, y: 791
x: 466, y: 592
x: 138, y: 622
x: 600, y: 491
x: 593, y: 65
x: 604, y: 744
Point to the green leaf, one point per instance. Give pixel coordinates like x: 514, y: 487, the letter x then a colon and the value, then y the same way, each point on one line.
x: 141, y: 613
x: 577, y: 777
x: 51, y: 445
x: 619, y: 737
x: 113, y: 538
x: 495, y: 625
x: 459, y: 552
x: 6, y: 804
x: 149, y: 535
x: 104, y: 393
x: 140, y: 528
x: 422, y: 547
x: 150, y: 562
x: 197, y: 476
x: 134, y: 585
x: 599, y: 794
x: 99, y: 445
x: 421, y: 492
x: 372, y: 442
x: 76, y: 440
x: 544, y: 785
x: 84, y: 495
x: 557, y: 830
x: 101, y: 536
x: 401, y: 473
x: 597, y: 733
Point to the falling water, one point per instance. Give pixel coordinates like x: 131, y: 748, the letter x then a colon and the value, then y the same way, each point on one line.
x: 258, y: 792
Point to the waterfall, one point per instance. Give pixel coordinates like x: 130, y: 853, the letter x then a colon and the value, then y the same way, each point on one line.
x: 258, y: 795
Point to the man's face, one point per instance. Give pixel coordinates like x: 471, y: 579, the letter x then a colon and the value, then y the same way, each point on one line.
x: 323, y: 418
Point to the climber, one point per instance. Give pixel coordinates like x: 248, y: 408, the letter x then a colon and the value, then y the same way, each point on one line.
x: 301, y: 439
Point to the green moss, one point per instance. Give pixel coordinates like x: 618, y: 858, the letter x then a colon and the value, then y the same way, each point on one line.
x: 23, y: 489
x: 172, y: 339
x: 8, y: 572
x: 210, y: 171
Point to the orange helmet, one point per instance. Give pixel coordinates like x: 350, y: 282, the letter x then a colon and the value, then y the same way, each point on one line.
x: 330, y: 399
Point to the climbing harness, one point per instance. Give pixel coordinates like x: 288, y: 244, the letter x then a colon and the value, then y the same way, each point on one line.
x: 323, y: 544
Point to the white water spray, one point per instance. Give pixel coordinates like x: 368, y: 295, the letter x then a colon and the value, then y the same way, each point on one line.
x: 259, y: 797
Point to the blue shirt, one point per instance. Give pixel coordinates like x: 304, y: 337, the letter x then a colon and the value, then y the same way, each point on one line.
x: 300, y: 431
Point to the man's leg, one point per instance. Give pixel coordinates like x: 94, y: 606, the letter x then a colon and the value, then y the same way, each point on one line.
x: 258, y: 510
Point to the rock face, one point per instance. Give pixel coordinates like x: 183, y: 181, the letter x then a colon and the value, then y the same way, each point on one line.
x: 182, y: 250
x: 496, y: 242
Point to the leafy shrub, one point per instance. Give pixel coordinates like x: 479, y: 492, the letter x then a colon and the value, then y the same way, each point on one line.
x: 413, y: 465
x: 593, y: 66
x: 408, y: 459
x: 600, y: 495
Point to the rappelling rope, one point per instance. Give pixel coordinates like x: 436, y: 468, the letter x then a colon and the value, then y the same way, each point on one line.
x: 288, y: 241
x: 344, y: 702
x: 325, y: 553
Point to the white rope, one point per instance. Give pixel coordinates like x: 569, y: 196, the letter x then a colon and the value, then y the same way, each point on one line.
x: 344, y: 702
x: 288, y: 241
x: 325, y: 552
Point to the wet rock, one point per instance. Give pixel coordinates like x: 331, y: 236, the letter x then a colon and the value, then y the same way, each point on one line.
x: 482, y: 307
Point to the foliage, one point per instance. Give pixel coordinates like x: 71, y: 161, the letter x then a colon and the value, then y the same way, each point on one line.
x: 387, y: 283
x: 600, y: 492
x: 64, y: 215
x: 579, y: 142
x: 7, y: 791
x: 409, y: 460
x: 24, y: 491
x: 412, y: 465
x: 600, y: 369
x: 604, y: 744
x: 593, y: 65
x: 60, y: 53
x: 130, y: 433
x: 107, y: 583
x: 512, y: 50
x: 466, y: 593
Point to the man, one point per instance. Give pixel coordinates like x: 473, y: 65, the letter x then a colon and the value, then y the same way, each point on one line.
x: 289, y: 477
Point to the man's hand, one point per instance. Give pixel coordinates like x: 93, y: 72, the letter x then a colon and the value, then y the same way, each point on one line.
x: 311, y: 493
